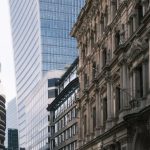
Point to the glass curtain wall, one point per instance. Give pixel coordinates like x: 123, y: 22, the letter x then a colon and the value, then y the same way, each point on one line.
x: 57, y: 19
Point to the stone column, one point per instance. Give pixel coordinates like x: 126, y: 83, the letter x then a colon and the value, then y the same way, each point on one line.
x: 134, y: 84
x: 97, y: 110
x: 113, y: 9
x: 98, y: 29
x: 90, y: 72
x: 101, y: 60
x: 112, y: 103
x: 88, y: 43
x: 88, y: 118
x: 131, y: 86
x: 82, y: 125
x: 129, y: 29
x: 135, y: 23
x: 110, y: 53
x: 80, y: 117
x: 109, y: 101
x: 144, y: 6
x: 113, y: 43
x: 125, y: 86
x: 126, y: 32
x: 121, y: 87
x: 109, y: 12
x: 101, y: 110
x: 149, y: 66
x: 144, y: 78
x: 80, y: 55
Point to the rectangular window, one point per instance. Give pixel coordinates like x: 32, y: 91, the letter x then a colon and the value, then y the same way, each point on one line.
x: 85, y: 81
x: 140, y: 13
x: 139, y: 82
x: 94, y: 69
x: 52, y: 82
x: 105, y: 115
x: 118, y: 100
x: 117, y: 39
x: 73, y: 113
x: 131, y: 26
x: 104, y: 57
x: 52, y: 93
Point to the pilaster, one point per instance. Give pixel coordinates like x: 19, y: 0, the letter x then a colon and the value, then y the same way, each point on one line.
x: 144, y: 6
x: 126, y: 92
x: 88, y: 118
x: 135, y: 23
x: 134, y: 83
x: 144, y: 79
x: 113, y: 8
x: 113, y: 43
x: 109, y: 106
x: 149, y: 64
x: 101, y: 60
x: 98, y: 111
x: 124, y: 82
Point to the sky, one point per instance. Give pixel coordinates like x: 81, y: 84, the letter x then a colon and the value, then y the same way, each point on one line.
x: 6, y: 52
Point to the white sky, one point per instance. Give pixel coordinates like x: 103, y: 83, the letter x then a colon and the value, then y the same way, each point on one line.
x: 6, y: 52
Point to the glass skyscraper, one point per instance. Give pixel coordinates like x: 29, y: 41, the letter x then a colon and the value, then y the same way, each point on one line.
x: 11, y: 118
x: 41, y: 41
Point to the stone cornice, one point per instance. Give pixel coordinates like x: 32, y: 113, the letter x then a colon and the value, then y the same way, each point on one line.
x: 103, y: 136
x: 85, y: 17
x: 137, y: 47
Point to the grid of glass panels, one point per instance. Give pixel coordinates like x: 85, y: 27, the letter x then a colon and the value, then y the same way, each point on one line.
x: 25, y: 33
x: 37, y: 116
x: 58, y: 48
x: 57, y: 19
x: 68, y: 79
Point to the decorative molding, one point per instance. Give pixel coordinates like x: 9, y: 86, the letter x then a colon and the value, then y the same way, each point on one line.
x: 137, y: 47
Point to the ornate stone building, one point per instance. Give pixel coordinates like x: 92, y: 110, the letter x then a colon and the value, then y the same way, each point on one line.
x: 114, y: 73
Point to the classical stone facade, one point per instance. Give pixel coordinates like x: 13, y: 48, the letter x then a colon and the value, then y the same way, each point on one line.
x: 114, y: 73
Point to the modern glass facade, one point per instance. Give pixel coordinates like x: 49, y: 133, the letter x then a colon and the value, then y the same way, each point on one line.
x: 41, y: 40
x: 36, y: 113
x: 26, y: 42
x: 11, y: 118
x: 13, y: 139
x: 57, y: 18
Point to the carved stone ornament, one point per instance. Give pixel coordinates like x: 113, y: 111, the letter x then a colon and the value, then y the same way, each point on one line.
x: 137, y: 47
